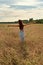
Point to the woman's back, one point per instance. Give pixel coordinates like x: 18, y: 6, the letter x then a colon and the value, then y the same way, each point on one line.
x: 20, y: 25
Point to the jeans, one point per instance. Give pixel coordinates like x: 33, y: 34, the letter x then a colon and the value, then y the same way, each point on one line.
x: 21, y: 35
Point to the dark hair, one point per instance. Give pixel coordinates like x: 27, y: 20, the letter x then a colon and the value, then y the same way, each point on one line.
x: 20, y: 24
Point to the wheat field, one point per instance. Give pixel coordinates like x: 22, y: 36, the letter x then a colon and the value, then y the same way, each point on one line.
x: 13, y: 52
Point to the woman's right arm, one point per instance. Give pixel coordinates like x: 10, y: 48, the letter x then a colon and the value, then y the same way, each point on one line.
x: 13, y: 25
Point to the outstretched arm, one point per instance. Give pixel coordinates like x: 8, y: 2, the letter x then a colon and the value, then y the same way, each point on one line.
x: 16, y: 25
x: 25, y: 24
x: 13, y: 25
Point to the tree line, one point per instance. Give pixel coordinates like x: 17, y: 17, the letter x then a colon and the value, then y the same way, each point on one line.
x: 31, y: 20
x: 36, y: 21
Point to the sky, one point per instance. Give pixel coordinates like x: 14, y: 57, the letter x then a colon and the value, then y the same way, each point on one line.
x: 13, y: 10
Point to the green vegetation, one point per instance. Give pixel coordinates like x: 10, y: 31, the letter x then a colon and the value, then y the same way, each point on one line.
x: 39, y: 21
x: 36, y: 21
x: 31, y: 20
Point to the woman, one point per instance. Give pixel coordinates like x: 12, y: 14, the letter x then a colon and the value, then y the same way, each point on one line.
x: 21, y: 27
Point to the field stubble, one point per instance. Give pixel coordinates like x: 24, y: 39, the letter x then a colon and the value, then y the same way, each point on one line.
x: 13, y: 52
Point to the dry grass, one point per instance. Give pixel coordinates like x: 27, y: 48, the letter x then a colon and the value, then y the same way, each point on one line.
x: 30, y: 52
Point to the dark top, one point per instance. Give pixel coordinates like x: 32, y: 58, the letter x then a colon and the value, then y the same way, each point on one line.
x: 21, y: 27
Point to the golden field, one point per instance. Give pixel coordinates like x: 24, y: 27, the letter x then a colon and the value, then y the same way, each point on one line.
x: 13, y: 52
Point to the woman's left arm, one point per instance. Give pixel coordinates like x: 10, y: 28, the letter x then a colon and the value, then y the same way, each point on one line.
x: 25, y: 24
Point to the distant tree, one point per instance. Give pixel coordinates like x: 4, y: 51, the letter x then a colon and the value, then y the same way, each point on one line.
x: 31, y: 20
x: 25, y: 21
